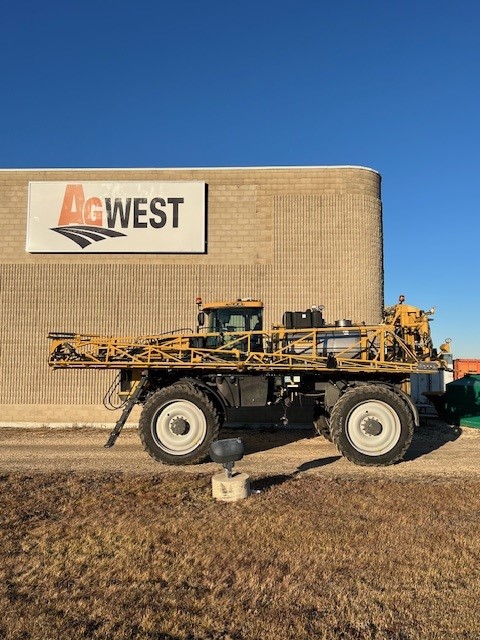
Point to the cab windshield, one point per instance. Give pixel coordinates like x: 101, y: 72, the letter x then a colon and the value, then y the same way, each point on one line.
x: 233, y: 319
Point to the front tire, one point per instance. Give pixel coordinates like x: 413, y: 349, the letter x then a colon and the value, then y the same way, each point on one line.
x: 178, y: 425
x: 371, y: 425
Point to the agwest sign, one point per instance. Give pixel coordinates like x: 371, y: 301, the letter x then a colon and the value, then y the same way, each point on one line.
x: 116, y: 217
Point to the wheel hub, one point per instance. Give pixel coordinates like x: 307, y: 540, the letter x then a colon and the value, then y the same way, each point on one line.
x: 179, y: 426
x: 372, y: 427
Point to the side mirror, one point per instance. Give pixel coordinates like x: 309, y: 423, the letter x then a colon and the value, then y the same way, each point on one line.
x: 201, y: 319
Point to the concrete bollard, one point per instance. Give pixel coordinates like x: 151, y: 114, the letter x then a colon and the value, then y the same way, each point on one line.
x: 230, y: 489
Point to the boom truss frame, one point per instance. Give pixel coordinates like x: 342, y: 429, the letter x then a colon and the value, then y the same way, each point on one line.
x: 379, y: 348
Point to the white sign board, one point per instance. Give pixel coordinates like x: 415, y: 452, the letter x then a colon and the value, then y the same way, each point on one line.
x: 116, y: 217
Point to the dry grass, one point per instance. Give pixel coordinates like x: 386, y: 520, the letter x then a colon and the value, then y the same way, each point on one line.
x: 102, y: 556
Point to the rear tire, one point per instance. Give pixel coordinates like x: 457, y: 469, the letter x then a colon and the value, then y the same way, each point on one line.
x: 371, y: 425
x: 178, y: 425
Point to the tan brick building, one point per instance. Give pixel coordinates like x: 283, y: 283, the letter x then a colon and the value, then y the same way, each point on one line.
x: 292, y: 237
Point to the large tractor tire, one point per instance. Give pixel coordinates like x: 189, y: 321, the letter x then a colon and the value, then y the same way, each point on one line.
x: 371, y: 425
x: 178, y: 425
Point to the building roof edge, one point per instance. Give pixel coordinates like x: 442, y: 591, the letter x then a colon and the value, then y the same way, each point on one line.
x: 246, y: 168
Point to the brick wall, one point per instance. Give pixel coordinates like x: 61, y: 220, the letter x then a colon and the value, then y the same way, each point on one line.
x: 289, y: 236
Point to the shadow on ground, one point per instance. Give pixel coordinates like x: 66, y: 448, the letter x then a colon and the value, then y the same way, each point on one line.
x: 263, y: 438
x: 271, y: 481
x: 431, y: 436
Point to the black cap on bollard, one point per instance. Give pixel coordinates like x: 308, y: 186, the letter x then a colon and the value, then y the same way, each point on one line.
x: 227, y: 452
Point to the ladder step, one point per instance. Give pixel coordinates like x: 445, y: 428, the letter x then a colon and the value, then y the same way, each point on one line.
x: 131, y: 402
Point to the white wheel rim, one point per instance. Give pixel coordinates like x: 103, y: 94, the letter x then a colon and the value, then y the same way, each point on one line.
x: 373, y: 428
x: 179, y: 427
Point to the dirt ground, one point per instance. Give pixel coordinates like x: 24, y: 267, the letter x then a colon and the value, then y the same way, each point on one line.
x: 438, y: 450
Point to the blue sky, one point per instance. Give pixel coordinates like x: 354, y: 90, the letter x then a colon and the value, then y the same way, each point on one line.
x: 393, y: 85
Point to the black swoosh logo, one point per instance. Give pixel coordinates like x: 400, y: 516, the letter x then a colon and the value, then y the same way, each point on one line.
x: 84, y: 235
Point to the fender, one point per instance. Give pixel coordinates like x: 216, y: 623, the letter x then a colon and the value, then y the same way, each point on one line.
x: 410, y: 403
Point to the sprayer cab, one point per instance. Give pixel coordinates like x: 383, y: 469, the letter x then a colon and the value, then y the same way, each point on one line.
x: 222, y: 322
x: 244, y: 314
